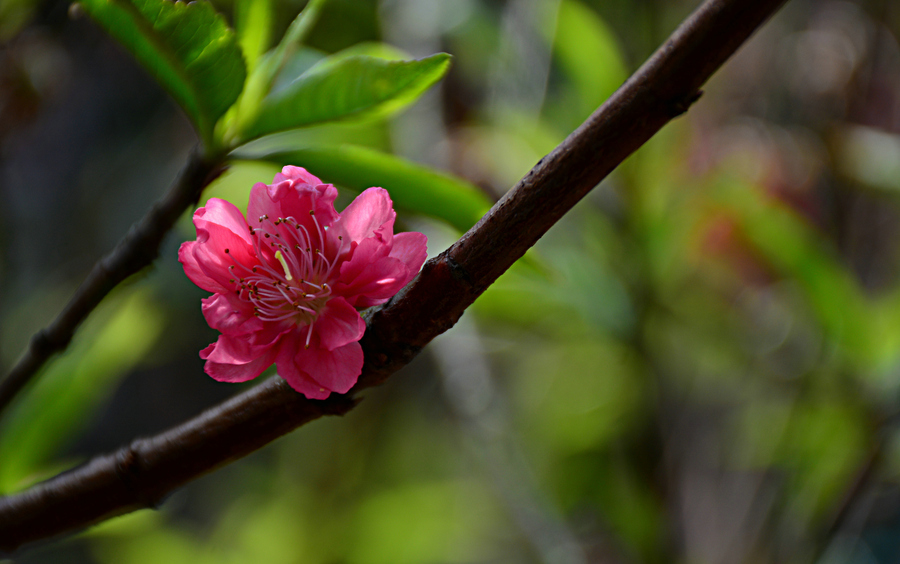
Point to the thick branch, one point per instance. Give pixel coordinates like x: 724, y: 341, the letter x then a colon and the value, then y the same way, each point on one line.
x: 135, y: 251
x: 141, y: 474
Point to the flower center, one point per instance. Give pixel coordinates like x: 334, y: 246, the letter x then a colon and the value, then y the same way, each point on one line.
x: 298, y: 290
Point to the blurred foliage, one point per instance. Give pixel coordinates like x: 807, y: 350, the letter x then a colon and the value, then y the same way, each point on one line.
x: 53, y: 413
x: 699, y: 364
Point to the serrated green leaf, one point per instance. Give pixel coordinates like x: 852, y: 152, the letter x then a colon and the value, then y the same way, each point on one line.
x: 343, y: 87
x: 188, y: 48
x: 412, y: 187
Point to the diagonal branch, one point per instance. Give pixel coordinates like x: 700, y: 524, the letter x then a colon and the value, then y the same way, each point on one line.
x: 135, y: 251
x: 143, y: 473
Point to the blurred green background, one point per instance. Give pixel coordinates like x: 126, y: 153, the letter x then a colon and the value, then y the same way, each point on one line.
x: 699, y: 364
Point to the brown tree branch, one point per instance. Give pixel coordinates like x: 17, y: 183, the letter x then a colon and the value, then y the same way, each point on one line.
x: 137, y: 249
x: 143, y: 473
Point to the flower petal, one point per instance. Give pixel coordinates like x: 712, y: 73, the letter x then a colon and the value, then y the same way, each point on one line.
x: 287, y: 197
x: 225, y: 214
x: 315, y: 371
x: 368, y: 279
x: 223, y: 240
x: 241, y: 349
x: 296, y: 376
x: 336, y: 370
x: 193, y: 271
x: 411, y: 248
x: 338, y: 324
x: 375, y: 284
x: 235, y: 370
x: 261, y: 205
x: 229, y: 314
x: 364, y: 256
x: 370, y: 214
x: 297, y: 174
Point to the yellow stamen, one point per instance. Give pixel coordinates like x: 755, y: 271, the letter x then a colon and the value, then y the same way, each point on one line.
x: 284, y: 265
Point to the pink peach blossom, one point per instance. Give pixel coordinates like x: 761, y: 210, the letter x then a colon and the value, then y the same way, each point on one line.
x: 287, y: 281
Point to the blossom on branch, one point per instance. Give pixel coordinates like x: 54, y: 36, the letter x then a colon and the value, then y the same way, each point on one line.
x: 287, y: 281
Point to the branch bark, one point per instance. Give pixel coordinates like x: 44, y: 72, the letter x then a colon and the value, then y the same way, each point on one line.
x: 137, y: 249
x: 143, y: 473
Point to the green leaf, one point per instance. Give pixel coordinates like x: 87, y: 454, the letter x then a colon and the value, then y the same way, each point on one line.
x: 373, y: 49
x: 343, y: 87
x: 589, y: 52
x: 412, y: 187
x: 188, y: 48
x: 297, y: 32
x: 264, y: 71
x: 253, y: 20
x: 305, y: 59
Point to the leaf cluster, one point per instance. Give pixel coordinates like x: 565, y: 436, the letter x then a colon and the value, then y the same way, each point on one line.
x: 235, y: 89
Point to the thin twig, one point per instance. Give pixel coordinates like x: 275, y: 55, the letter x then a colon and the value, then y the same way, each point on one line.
x: 137, y: 249
x: 143, y: 473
